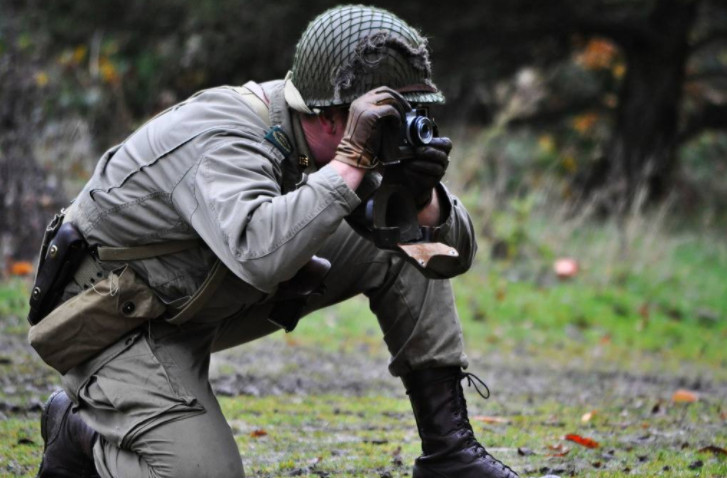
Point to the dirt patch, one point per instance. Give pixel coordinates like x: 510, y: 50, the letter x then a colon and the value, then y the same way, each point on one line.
x: 272, y: 367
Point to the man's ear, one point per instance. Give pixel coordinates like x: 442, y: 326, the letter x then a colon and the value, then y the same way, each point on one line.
x: 327, y: 121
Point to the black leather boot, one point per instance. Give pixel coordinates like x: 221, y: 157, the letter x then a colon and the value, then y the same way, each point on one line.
x: 449, y: 446
x: 68, y: 441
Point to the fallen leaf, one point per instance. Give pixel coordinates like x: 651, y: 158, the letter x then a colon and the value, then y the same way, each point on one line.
x: 565, y: 268
x: 258, y: 432
x: 559, y: 449
x: 396, y: 457
x: 713, y: 449
x: 587, y: 416
x: 290, y: 341
x: 491, y: 420
x: 684, y: 396
x: 586, y: 442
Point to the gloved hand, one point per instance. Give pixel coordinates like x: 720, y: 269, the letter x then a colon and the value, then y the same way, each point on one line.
x: 420, y: 174
x: 371, y: 116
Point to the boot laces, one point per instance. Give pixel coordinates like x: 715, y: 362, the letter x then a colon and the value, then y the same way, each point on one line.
x: 473, y: 381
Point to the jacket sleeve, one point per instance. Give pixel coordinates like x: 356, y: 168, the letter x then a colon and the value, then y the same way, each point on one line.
x: 456, y: 231
x: 263, y: 236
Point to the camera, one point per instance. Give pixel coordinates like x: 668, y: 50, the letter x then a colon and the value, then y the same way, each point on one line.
x: 418, y: 128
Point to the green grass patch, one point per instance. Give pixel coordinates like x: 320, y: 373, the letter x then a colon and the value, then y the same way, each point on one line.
x: 658, y: 307
x: 14, y: 306
x: 373, y: 436
x: 21, y: 446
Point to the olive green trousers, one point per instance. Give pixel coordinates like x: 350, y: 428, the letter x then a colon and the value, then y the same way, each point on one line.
x: 149, y: 396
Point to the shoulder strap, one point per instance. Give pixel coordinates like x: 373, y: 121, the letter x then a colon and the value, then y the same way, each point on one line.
x: 213, y: 280
x: 254, y: 95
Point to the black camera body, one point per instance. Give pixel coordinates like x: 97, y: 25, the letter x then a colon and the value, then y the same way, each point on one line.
x: 418, y: 129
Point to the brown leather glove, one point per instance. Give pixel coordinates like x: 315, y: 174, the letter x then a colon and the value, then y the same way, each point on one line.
x: 371, y: 116
x: 423, y: 172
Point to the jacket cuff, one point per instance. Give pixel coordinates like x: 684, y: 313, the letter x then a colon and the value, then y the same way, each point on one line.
x: 335, y: 182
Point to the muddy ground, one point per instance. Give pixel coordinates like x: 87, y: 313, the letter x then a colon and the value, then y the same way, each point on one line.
x: 274, y: 366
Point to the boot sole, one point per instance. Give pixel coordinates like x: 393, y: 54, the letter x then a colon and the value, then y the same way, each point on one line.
x: 420, y: 472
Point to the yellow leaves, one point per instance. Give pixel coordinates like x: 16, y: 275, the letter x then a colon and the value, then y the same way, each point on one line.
x: 598, y: 54
x: 101, y: 65
x: 601, y: 54
x: 546, y: 143
x: 569, y: 163
x: 41, y: 79
x: 107, y: 70
x: 79, y: 54
x: 585, y: 123
x: 74, y: 57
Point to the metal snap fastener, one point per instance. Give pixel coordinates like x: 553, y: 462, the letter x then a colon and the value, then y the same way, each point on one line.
x: 128, y: 308
x: 53, y: 251
x: 36, y: 292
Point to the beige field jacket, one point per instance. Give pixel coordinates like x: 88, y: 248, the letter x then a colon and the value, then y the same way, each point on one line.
x: 203, y: 169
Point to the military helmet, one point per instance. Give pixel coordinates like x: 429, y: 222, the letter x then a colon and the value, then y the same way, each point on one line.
x: 349, y: 50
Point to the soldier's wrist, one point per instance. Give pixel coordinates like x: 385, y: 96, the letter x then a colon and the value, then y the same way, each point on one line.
x: 350, y: 174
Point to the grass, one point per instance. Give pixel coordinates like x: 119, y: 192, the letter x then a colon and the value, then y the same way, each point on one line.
x: 373, y: 436
x: 648, y: 302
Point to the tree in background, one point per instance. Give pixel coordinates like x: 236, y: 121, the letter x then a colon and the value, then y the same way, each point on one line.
x: 612, y: 90
x: 652, y: 72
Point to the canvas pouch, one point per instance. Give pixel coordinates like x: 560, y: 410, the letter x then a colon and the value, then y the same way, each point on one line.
x: 89, y: 322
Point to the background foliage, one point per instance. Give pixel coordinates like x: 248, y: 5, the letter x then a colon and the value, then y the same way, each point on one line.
x: 606, y: 100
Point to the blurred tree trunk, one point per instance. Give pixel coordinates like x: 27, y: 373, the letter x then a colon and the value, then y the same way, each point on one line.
x: 641, y: 157
x: 25, y: 200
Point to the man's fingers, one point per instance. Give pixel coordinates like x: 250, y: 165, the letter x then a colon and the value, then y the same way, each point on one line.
x: 427, y: 167
x: 388, y: 96
x: 441, y: 143
x: 432, y: 155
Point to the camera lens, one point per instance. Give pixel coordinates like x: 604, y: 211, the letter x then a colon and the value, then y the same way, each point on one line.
x: 422, y: 131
